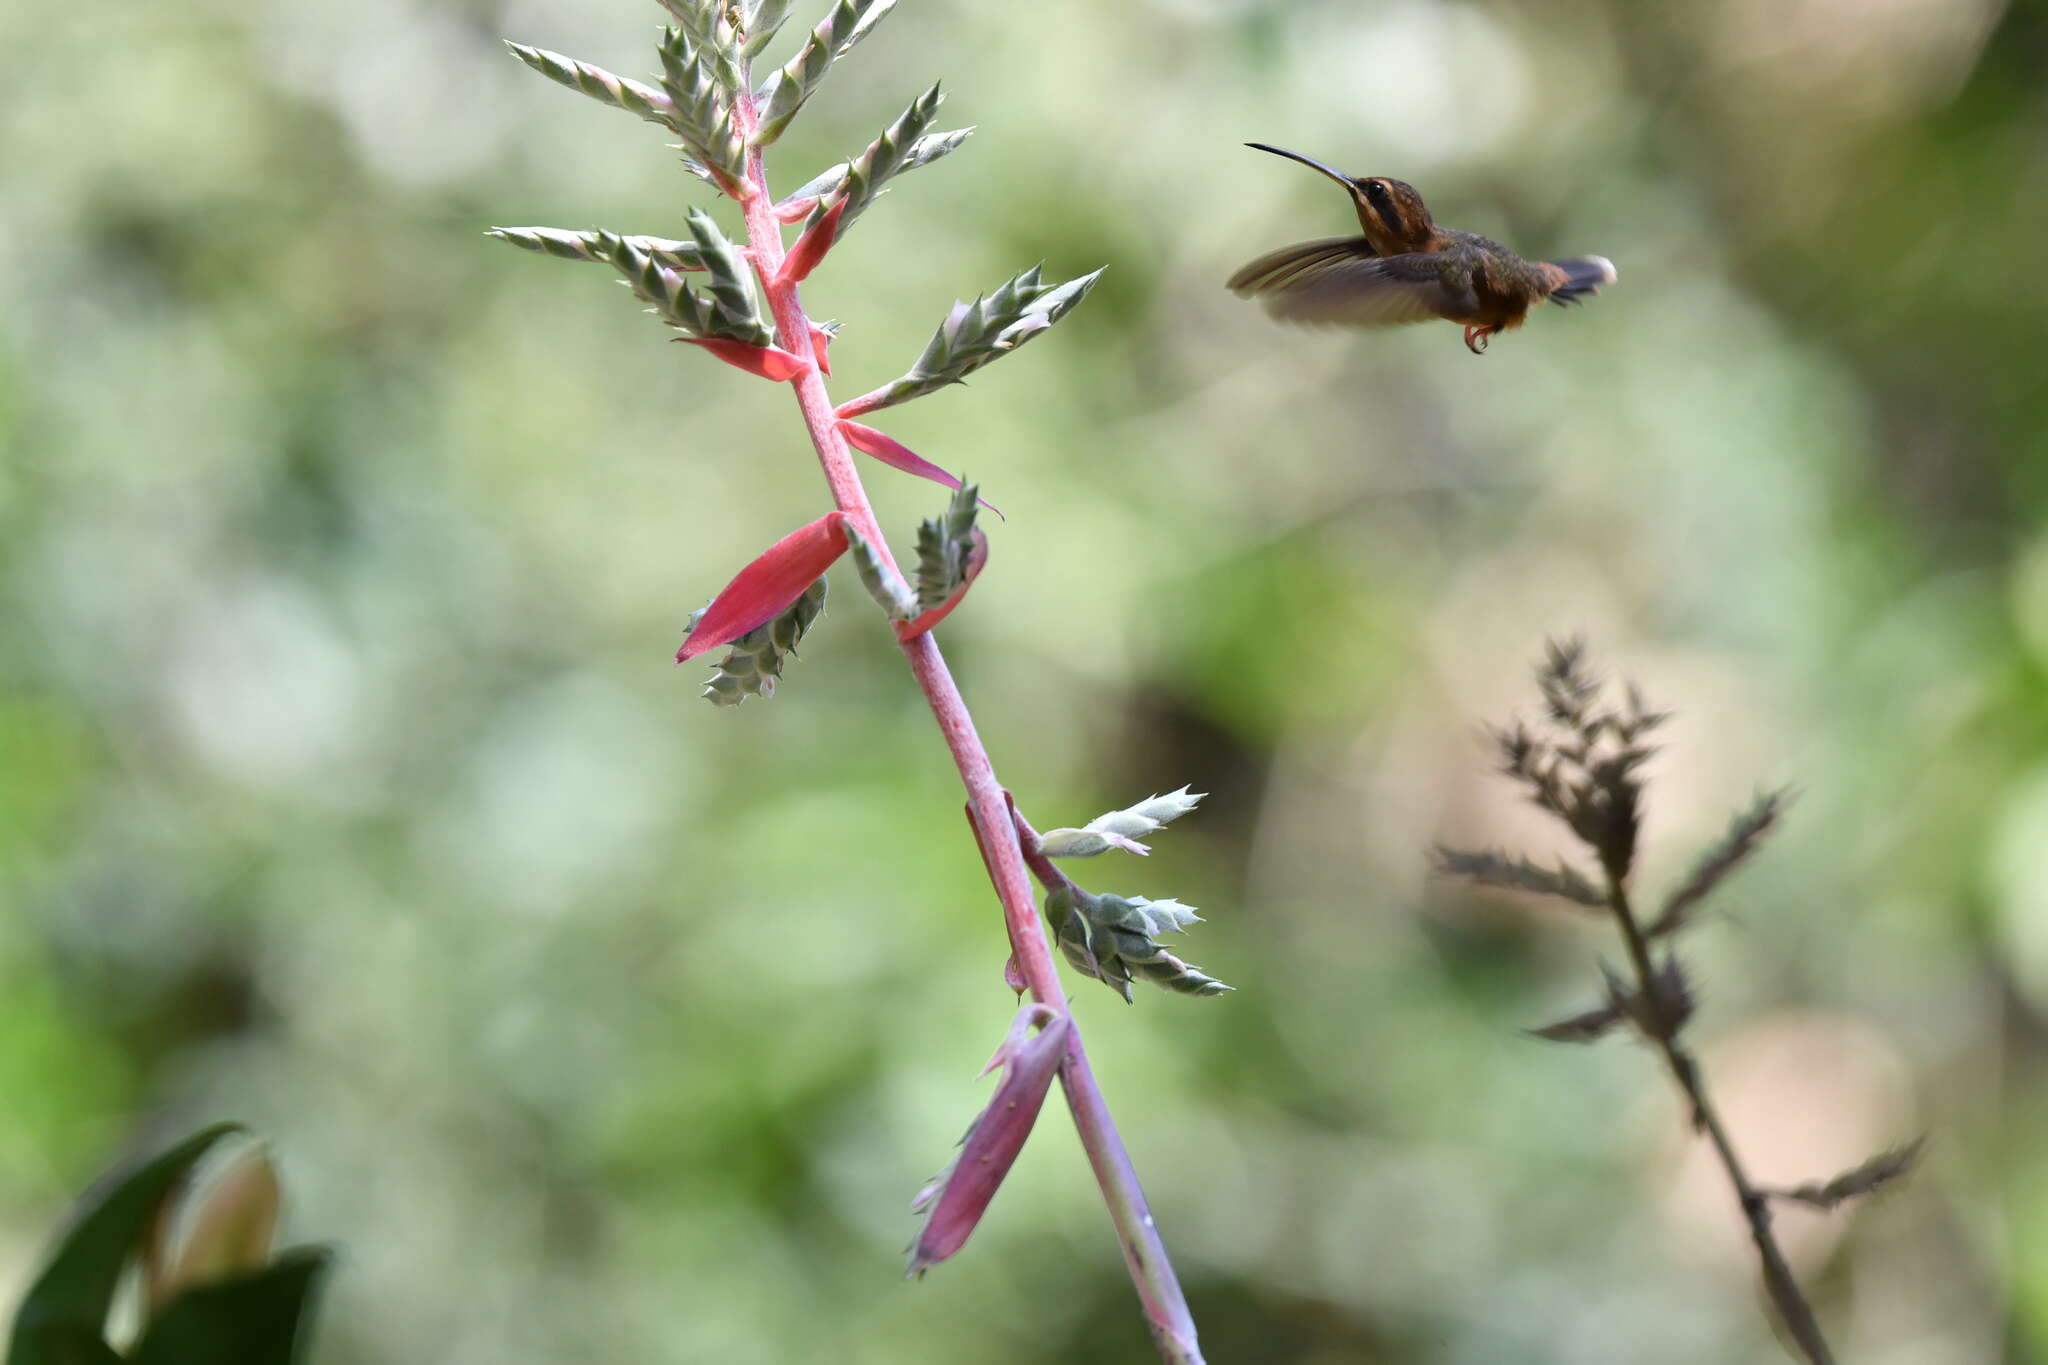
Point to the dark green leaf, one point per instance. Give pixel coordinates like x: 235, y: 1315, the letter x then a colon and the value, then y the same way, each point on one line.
x: 260, y: 1319
x: 65, y: 1312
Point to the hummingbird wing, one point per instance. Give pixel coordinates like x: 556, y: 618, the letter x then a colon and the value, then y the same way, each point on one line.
x: 1317, y: 284
x: 1275, y: 269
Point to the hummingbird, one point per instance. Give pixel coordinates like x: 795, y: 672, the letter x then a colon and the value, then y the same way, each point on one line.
x: 1407, y: 269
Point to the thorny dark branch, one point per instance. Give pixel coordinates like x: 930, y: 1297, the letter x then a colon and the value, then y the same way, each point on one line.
x: 1583, y: 764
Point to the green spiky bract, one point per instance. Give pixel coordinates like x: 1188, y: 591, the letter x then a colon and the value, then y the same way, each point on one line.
x: 992, y: 326
x: 754, y: 662
x: 1115, y: 940
x: 835, y: 36
x: 943, y: 546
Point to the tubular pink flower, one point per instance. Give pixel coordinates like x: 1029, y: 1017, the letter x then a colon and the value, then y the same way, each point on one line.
x: 765, y: 588
x: 892, y: 452
x: 956, y: 1200
x: 810, y: 248
x: 770, y: 362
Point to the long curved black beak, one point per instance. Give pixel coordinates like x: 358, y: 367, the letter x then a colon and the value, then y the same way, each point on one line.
x: 1310, y: 161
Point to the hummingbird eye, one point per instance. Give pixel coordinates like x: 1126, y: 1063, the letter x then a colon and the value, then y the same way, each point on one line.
x: 1376, y: 192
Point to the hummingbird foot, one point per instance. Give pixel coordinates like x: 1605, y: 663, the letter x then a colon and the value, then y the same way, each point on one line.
x: 1476, y: 339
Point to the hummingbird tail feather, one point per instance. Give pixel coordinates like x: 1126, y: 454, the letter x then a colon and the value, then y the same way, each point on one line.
x: 1583, y: 275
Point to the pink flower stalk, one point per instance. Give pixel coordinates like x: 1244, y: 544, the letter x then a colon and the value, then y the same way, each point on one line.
x: 726, y: 121
x: 765, y: 588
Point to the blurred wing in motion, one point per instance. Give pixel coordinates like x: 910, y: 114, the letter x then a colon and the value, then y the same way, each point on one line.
x: 1339, y: 281
x: 1273, y: 270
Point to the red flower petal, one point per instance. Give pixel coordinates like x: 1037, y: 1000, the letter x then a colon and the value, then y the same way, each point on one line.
x: 821, y: 348
x: 795, y: 210
x: 978, y: 556
x: 770, y: 362
x: 765, y: 588
x: 897, y: 455
x: 958, y: 1198
x: 810, y: 248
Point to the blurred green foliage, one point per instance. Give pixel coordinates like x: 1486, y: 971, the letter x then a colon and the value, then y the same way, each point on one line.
x: 345, y: 786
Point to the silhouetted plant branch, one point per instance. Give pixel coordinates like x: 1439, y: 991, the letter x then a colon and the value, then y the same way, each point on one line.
x: 740, y: 304
x: 1583, y: 764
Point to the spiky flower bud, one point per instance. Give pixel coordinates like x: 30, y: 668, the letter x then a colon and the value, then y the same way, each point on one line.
x: 974, y: 334
x: 944, y: 544
x: 710, y: 25
x: 836, y: 35
x: 731, y: 284
x: 862, y: 180
x: 1115, y: 940
x: 602, y: 86
x: 1120, y: 828
x: 696, y: 81
x: 729, y: 312
x: 922, y: 152
x: 756, y: 659
x: 568, y: 245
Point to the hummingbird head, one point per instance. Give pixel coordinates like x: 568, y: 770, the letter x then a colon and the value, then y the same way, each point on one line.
x: 1391, y: 212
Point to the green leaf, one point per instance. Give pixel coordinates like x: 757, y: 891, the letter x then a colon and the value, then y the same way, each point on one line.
x: 838, y: 34
x: 260, y: 1319
x: 63, y: 1346
x: 65, y: 1313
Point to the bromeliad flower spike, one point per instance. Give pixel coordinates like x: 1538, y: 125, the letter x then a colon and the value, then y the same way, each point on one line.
x: 1407, y: 269
x: 736, y: 299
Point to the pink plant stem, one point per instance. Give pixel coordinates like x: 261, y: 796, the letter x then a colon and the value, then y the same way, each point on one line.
x: 1166, y: 1310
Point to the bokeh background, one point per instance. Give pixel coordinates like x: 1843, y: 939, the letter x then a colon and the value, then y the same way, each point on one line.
x: 346, y: 786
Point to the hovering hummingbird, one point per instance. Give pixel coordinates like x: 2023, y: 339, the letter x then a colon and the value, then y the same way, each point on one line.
x: 1407, y: 269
